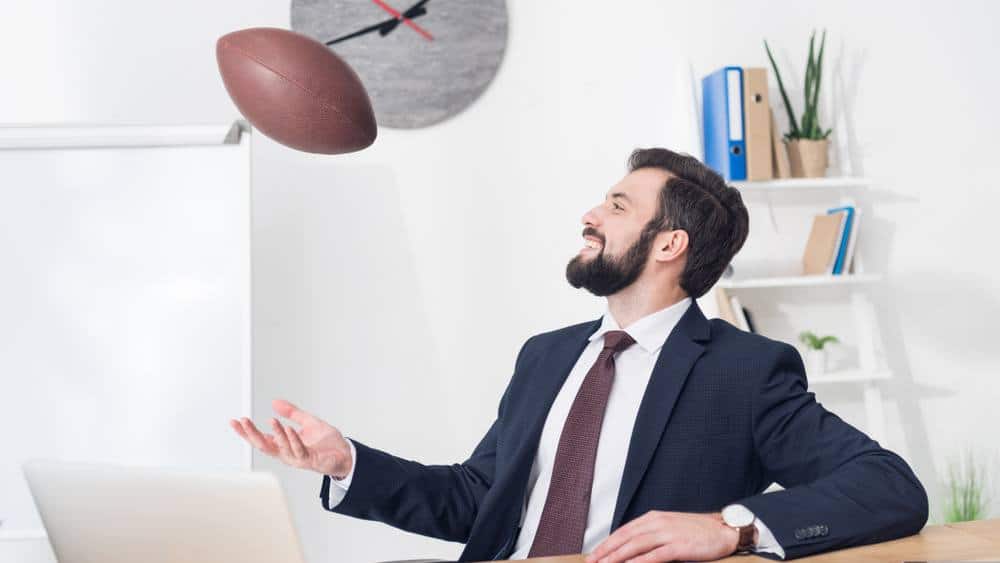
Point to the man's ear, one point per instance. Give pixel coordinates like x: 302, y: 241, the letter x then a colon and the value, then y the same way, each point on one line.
x: 670, y: 245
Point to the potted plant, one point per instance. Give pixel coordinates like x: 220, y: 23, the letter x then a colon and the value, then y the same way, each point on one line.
x: 807, y: 141
x: 966, y: 497
x: 815, y: 351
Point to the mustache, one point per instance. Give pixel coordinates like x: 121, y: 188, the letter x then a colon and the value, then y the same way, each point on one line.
x: 591, y: 231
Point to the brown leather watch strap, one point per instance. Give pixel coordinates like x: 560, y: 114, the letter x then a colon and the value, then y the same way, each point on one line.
x: 746, y: 542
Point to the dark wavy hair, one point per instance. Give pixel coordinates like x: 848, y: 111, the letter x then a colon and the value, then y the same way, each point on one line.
x: 697, y: 200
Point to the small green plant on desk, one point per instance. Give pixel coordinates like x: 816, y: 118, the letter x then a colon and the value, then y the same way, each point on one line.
x: 966, y: 497
x: 816, y: 351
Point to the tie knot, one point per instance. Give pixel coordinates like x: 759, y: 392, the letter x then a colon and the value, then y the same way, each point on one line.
x: 617, y: 340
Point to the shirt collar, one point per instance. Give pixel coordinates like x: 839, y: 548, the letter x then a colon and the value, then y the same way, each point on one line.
x: 651, y: 331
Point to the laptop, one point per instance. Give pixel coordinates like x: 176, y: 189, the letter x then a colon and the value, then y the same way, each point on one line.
x: 111, y: 514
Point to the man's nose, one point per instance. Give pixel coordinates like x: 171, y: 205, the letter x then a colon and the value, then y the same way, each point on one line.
x: 591, y: 218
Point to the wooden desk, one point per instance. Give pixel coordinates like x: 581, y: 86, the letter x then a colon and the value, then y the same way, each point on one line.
x: 967, y: 541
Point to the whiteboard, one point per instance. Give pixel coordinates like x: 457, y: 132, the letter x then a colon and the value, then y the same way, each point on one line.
x: 124, y: 306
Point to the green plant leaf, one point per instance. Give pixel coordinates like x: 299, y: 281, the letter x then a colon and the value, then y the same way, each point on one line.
x: 794, y: 133
x: 809, y: 339
x: 807, y: 114
x: 826, y: 340
x: 816, y: 132
x: 967, y: 497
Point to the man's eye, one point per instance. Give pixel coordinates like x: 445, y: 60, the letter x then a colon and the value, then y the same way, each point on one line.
x: 618, y: 207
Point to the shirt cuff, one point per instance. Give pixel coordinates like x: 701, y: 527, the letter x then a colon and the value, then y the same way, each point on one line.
x: 766, y: 542
x: 340, y: 486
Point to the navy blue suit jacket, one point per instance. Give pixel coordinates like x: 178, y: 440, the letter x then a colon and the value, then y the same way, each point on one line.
x: 725, y: 414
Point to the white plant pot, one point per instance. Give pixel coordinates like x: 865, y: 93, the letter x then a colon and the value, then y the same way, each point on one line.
x: 815, y: 362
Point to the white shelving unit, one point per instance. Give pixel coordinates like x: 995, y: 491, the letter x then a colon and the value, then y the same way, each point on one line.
x: 829, y: 183
x: 871, y: 366
x: 851, y: 376
x: 800, y: 281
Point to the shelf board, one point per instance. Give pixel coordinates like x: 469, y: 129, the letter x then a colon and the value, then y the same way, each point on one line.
x: 21, y: 535
x: 793, y: 184
x: 850, y: 376
x: 799, y: 281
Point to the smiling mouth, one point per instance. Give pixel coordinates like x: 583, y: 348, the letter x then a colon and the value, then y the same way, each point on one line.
x: 591, y: 244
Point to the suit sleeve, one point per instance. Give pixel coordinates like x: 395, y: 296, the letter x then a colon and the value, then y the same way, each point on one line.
x: 440, y: 501
x: 841, y: 488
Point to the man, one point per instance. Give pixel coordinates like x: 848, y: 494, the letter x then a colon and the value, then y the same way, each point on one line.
x: 647, y: 435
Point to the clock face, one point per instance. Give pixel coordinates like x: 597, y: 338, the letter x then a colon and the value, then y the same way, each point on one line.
x: 422, y: 61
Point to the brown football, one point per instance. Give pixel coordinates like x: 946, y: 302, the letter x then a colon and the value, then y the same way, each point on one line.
x: 296, y: 91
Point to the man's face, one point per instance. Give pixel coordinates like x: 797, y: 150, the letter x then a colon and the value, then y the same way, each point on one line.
x: 615, y: 252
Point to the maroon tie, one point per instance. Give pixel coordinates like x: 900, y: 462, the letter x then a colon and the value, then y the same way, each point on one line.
x: 564, y: 517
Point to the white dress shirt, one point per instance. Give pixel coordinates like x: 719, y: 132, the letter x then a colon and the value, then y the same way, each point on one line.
x: 633, y: 368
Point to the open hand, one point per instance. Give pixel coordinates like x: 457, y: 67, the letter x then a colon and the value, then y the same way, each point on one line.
x: 316, y: 446
x: 667, y: 536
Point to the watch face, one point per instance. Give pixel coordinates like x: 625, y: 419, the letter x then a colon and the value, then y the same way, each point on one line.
x: 421, y: 61
x: 737, y: 516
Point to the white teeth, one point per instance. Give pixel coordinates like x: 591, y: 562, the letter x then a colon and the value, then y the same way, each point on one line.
x: 592, y: 244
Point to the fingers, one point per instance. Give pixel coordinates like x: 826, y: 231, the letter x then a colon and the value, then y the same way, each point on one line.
x: 292, y: 412
x: 259, y: 440
x: 235, y: 425
x: 648, y: 523
x: 286, y: 443
x: 666, y: 552
x: 298, y: 448
x: 641, y: 525
x: 637, y: 545
x: 293, y: 452
x: 280, y: 438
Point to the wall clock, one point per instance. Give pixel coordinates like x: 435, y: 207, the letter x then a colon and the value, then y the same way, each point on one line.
x: 422, y: 61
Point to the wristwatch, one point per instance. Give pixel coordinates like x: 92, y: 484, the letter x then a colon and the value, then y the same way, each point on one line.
x: 739, y: 517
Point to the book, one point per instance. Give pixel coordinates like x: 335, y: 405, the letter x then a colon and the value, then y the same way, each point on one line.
x: 841, y: 238
x: 781, y: 166
x: 757, y: 115
x: 722, y: 122
x: 845, y: 236
x: 852, y: 243
x: 750, y: 324
x: 741, y: 319
x: 725, y: 306
x: 821, y: 248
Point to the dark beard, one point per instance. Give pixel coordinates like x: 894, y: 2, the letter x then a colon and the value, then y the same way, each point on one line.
x: 604, y: 275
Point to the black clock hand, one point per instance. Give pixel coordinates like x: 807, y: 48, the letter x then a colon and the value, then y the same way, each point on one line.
x: 412, y: 13
x: 417, y: 6
x: 386, y: 27
x: 415, y: 12
x: 360, y: 32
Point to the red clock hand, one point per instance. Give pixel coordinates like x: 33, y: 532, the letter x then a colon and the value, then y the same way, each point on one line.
x: 404, y: 19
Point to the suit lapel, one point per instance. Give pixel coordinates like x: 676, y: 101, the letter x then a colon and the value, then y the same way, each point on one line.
x: 547, y: 380
x: 678, y: 355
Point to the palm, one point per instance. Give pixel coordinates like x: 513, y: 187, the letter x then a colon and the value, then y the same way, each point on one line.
x: 317, y: 445
x: 326, y: 446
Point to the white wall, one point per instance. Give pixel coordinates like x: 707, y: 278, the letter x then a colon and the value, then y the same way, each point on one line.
x: 393, y: 287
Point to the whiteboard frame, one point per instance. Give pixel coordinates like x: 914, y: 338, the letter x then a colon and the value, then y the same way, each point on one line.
x: 40, y: 137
